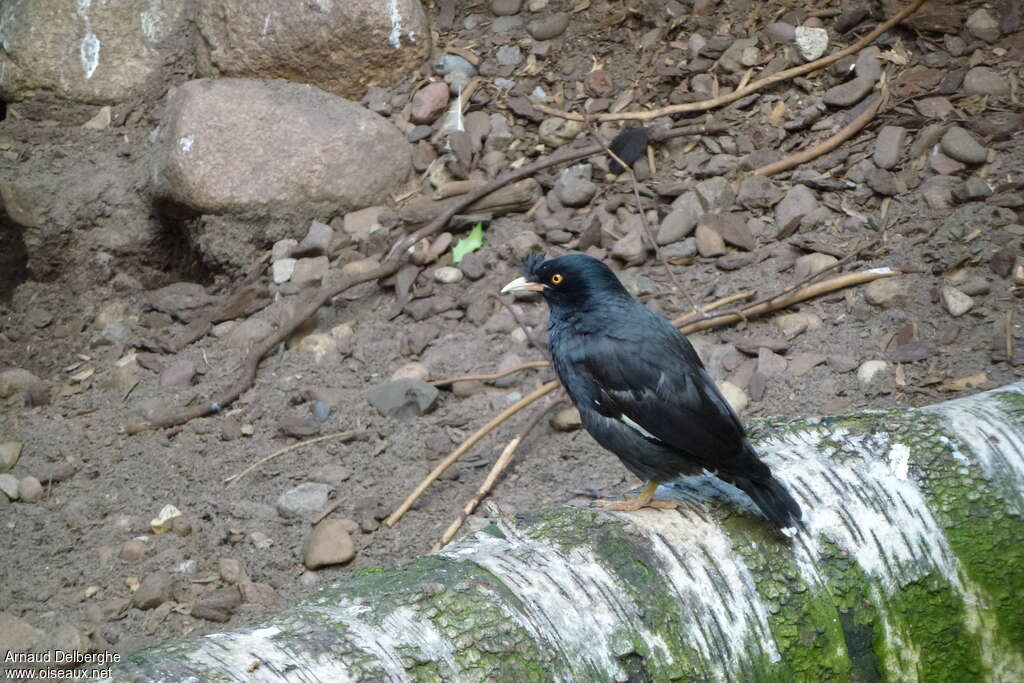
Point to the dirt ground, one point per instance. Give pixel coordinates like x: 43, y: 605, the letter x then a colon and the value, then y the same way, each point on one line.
x: 69, y: 566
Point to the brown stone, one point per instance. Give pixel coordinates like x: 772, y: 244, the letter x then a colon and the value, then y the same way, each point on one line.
x: 95, y: 52
x: 342, y: 47
x: 241, y: 145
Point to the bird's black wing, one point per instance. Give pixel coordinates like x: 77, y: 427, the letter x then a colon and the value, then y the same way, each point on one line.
x: 649, y: 377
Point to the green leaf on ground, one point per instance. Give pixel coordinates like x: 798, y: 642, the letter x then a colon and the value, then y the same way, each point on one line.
x: 468, y: 244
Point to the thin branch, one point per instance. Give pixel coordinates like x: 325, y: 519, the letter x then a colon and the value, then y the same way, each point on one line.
x: 740, y: 93
x: 739, y: 296
x: 679, y: 322
x: 827, y: 145
x: 350, y: 434
x: 492, y: 376
x: 539, y: 392
x: 802, y: 294
x: 492, y: 477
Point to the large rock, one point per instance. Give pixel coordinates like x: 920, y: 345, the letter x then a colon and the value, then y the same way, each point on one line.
x: 245, y: 145
x: 343, y: 47
x: 100, y: 52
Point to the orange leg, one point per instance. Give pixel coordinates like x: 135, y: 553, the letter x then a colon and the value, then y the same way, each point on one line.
x: 644, y: 500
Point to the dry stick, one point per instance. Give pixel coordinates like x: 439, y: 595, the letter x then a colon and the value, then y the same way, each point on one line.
x: 539, y: 392
x: 827, y: 145
x: 802, y: 294
x: 740, y: 93
x: 308, y: 442
x: 499, y: 466
x: 680, y: 321
x: 773, y: 303
x: 490, y: 377
x: 1009, y: 335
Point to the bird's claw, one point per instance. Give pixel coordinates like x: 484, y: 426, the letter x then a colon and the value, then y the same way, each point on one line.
x: 633, y: 504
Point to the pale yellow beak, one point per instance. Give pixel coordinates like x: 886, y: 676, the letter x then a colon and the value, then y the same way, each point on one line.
x: 521, y: 284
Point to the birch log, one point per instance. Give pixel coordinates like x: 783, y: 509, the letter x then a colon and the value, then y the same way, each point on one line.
x: 911, y: 567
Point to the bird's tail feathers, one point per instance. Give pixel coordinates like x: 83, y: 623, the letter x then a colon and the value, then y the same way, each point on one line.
x: 773, y: 499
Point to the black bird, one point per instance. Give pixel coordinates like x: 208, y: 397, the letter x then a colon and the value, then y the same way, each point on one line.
x: 641, y: 389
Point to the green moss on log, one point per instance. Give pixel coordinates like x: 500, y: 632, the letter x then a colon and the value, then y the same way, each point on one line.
x: 987, y: 539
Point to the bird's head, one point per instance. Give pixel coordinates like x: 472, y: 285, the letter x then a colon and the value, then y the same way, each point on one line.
x: 570, y: 281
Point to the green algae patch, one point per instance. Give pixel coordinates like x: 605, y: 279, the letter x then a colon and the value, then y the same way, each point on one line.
x: 930, y: 614
x: 566, y: 527
x: 987, y: 539
x: 803, y: 619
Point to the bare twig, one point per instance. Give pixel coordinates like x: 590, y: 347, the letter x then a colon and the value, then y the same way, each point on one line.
x: 491, y: 376
x: 803, y: 294
x: 679, y: 322
x: 740, y: 93
x: 350, y: 434
x: 827, y: 145
x: 1009, y: 335
x: 707, y: 308
x: 499, y: 466
x: 539, y: 392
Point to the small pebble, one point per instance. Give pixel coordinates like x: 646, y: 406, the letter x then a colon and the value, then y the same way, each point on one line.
x: 448, y: 275
x: 155, y: 590
x: 736, y: 397
x: 548, y: 27
x: 10, y: 452
x: 412, y: 371
x: 9, y: 486
x: 133, y: 550
x: 889, y: 146
x: 709, y: 242
x: 811, y: 264
x: 871, y: 370
x: 956, y: 302
x: 984, y: 80
x: 566, y: 420
x: 30, y: 489
x: 303, y: 500
x: 282, y: 270
x: 983, y: 25
x: 961, y: 145
x: 812, y: 42
x: 504, y: 8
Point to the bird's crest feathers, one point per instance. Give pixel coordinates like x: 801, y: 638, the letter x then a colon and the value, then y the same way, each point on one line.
x: 531, y: 264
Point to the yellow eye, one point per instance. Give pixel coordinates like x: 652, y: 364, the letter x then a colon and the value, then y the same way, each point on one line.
x: 556, y: 279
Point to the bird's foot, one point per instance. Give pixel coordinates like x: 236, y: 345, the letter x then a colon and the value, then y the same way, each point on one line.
x: 633, y: 504
x: 644, y: 500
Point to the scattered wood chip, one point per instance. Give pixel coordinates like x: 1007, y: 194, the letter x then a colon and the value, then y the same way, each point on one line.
x: 964, y: 383
x: 83, y: 374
